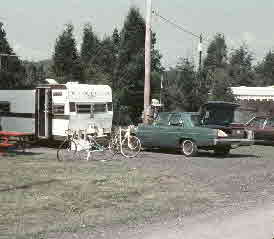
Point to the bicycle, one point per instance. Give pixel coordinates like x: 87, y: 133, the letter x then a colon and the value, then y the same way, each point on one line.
x: 75, y: 146
x: 125, y: 143
x: 67, y: 150
x: 92, y: 149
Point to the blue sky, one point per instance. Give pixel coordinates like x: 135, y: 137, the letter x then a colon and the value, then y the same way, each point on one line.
x: 33, y: 25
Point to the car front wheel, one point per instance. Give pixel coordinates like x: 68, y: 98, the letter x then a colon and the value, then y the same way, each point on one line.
x: 189, y: 148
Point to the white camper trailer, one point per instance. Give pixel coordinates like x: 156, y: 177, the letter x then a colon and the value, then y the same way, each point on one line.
x: 49, y: 110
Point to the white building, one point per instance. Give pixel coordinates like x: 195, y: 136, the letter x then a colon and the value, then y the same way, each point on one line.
x: 257, y: 99
x: 254, y: 93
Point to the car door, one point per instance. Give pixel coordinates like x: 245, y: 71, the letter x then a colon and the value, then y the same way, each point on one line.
x: 150, y: 134
x: 169, y: 134
x: 257, y: 125
x: 145, y: 134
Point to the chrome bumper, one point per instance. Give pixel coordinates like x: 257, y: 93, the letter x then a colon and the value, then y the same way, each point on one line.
x: 234, y: 142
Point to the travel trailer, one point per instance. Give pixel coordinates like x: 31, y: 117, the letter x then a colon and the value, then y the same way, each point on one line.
x: 49, y: 110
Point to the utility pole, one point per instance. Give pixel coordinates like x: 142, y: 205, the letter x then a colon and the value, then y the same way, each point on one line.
x: 200, y: 49
x: 147, y: 62
x: 162, y: 80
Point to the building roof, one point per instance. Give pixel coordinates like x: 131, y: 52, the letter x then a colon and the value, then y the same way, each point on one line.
x: 253, y: 93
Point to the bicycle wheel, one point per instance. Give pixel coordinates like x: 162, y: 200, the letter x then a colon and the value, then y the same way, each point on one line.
x: 113, y: 145
x: 67, y: 150
x: 83, y: 154
x: 100, y: 152
x: 94, y: 151
x: 131, y: 146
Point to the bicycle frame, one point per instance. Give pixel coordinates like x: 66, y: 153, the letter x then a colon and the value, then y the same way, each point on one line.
x: 124, y: 139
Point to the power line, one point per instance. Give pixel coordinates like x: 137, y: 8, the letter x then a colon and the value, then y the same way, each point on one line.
x: 179, y: 27
x: 176, y: 25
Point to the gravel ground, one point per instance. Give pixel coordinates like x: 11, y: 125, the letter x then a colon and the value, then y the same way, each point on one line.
x: 243, y: 187
x: 244, y: 208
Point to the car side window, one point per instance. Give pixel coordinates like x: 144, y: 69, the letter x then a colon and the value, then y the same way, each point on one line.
x: 257, y: 122
x: 270, y: 123
x: 162, y: 119
x: 176, y: 119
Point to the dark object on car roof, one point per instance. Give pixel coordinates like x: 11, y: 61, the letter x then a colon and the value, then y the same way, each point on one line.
x: 210, y: 104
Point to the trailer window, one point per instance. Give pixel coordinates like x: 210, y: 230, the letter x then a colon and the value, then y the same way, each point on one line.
x: 4, y: 107
x: 58, y: 109
x: 83, y: 109
x: 109, y: 105
x: 99, y: 108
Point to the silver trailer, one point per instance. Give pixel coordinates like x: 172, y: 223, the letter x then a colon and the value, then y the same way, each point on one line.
x: 51, y: 109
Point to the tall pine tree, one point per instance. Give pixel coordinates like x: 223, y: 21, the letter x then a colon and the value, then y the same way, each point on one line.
x: 240, y: 67
x: 66, y: 62
x: 130, y: 68
x: 181, y: 87
x: 265, y: 70
x: 89, y: 45
x: 215, y: 71
x: 12, y: 72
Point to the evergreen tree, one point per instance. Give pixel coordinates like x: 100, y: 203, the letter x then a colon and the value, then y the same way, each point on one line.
x: 12, y: 73
x: 265, y: 70
x: 130, y: 68
x: 106, y: 58
x: 240, y: 67
x: 116, y: 41
x: 216, y: 53
x: 181, y: 87
x: 89, y: 45
x: 216, y: 79
x: 221, y: 90
x: 4, y: 45
x: 66, y: 63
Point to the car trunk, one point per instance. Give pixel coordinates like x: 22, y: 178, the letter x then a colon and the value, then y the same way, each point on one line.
x: 221, y: 115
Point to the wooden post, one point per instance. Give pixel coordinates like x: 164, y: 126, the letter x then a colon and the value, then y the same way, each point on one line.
x: 147, y: 62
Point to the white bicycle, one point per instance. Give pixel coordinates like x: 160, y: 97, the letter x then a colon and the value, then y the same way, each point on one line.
x: 125, y: 143
x: 74, y: 147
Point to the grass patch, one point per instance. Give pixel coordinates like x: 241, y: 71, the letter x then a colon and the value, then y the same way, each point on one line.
x: 39, y: 195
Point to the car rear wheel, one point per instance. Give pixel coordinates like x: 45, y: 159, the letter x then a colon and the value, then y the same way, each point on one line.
x: 189, y: 148
x: 222, y: 151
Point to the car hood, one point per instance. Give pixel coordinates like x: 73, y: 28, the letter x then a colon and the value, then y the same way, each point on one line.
x: 228, y: 126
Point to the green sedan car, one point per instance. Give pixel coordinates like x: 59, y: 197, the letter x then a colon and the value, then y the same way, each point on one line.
x: 184, y: 131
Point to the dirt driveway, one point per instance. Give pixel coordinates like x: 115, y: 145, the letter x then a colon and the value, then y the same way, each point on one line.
x: 177, y: 197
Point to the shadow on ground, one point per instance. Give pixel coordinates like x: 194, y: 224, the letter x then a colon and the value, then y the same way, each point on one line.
x: 206, y: 154
x: 26, y: 186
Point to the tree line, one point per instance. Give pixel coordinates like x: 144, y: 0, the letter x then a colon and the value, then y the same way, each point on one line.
x: 186, y: 87
x: 118, y: 60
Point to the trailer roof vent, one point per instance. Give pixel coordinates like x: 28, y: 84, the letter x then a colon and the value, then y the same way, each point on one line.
x: 51, y: 81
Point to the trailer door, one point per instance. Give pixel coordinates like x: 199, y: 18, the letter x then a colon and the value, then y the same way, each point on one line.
x: 44, y: 113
